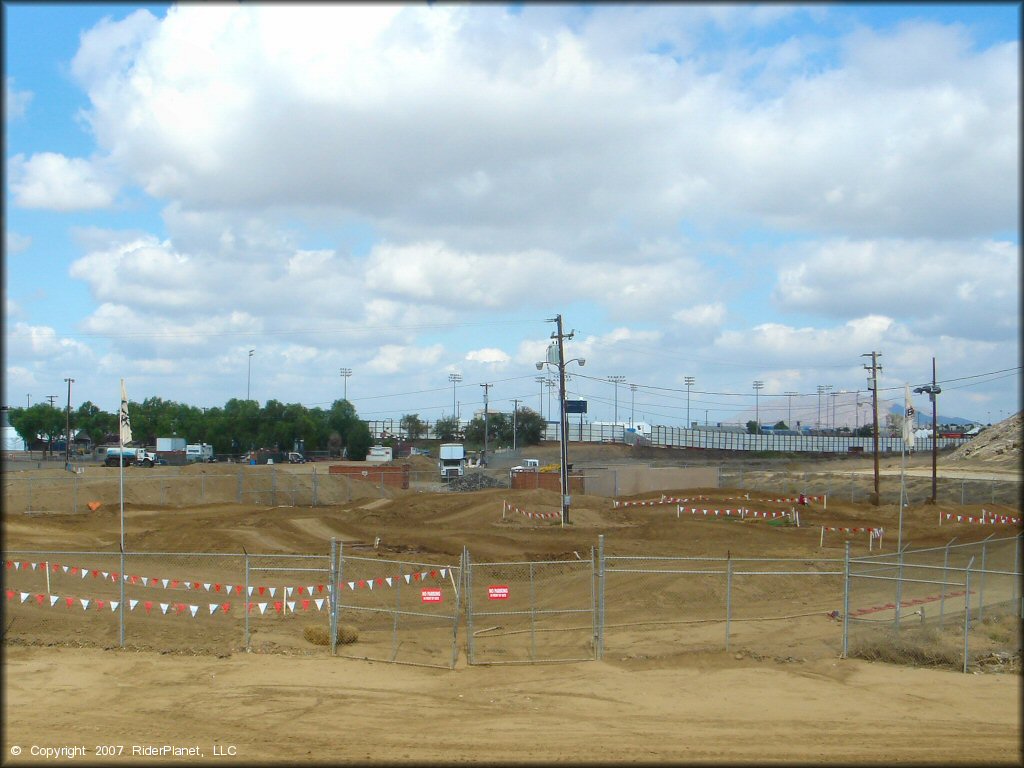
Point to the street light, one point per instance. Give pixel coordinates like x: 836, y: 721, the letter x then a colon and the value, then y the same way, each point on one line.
x: 758, y: 385
x: 556, y: 357
x: 248, y: 375
x: 932, y: 390
x: 345, y: 373
x: 454, y: 378
x: 616, y: 380
x: 689, y: 380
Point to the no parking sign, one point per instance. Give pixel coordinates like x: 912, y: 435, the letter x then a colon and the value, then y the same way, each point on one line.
x: 497, y: 592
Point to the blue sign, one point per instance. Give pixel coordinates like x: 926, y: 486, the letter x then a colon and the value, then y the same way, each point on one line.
x: 575, y: 406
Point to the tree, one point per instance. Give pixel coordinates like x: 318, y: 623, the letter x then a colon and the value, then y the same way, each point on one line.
x: 41, y: 421
x: 529, y: 427
x: 753, y: 428
x: 781, y: 425
x: 447, y: 428
x: 358, y: 441
x: 412, y: 425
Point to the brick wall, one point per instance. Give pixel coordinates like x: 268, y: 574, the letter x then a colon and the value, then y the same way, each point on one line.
x: 397, y: 476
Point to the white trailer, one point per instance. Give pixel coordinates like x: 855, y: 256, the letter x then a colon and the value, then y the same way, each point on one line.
x: 203, y: 453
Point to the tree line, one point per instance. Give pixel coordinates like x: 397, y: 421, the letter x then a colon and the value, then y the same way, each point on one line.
x: 244, y: 425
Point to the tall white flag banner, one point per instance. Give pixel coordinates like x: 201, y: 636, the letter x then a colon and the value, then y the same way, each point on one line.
x: 908, y: 420
x: 126, y: 424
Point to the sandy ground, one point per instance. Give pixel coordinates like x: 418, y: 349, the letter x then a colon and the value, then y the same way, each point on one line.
x: 781, y: 694
x: 703, y: 708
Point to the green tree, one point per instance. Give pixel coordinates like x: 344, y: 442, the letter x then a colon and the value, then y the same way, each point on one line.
x: 752, y: 428
x: 39, y: 422
x: 781, y: 425
x: 358, y: 441
x: 413, y: 425
x: 447, y: 429
x: 529, y: 427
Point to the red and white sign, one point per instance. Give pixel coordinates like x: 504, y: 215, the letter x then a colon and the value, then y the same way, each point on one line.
x: 495, y: 592
x: 429, y: 595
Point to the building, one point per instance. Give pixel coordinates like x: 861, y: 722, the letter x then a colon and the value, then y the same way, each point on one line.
x: 12, y: 441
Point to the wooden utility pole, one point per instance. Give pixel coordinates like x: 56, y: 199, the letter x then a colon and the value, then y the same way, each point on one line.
x: 874, y: 368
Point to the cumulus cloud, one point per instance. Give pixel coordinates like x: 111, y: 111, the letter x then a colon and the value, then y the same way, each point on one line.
x: 15, y: 102
x: 16, y: 243
x: 52, y: 181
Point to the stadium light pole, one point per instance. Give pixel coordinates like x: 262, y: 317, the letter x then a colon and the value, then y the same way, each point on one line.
x: 67, y: 439
x: 932, y: 390
x: 248, y: 375
x: 616, y: 380
x: 758, y: 386
x: 541, y: 380
x: 689, y: 381
x: 632, y: 404
x: 345, y: 373
x: 454, y: 378
x: 789, y: 415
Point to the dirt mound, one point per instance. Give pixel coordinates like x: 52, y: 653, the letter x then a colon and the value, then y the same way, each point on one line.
x: 1000, y: 442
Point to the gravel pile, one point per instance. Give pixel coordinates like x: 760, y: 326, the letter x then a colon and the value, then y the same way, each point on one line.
x: 476, y: 481
x: 997, y: 443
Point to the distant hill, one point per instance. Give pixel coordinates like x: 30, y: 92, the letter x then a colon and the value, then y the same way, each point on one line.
x: 925, y: 417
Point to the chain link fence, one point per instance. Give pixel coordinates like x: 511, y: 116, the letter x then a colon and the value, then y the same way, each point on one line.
x: 954, y: 605
x: 526, y: 612
x: 957, y: 605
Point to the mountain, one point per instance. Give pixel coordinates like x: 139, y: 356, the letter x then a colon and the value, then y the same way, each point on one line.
x: 925, y: 417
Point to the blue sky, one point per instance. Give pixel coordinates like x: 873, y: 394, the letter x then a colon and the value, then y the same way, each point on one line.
x: 733, y: 193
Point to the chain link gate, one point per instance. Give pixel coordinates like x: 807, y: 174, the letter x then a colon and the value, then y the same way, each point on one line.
x: 529, y: 612
x: 397, y: 611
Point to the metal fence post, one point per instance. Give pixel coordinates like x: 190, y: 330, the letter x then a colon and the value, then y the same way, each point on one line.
x: 239, y: 499
x: 162, y: 496
x: 468, y: 590
x: 335, y: 590
x: 981, y: 586
x: 600, y: 596
x: 394, y: 623
x: 1016, y: 572
x: 273, y: 486
x: 899, y: 587
x: 121, y: 605
x: 945, y: 576
x: 533, y: 619
x: 967, y: 612
x: 202, y: 487
x: 248, y: 594
x: 593, y: 604
x: 962, y: 483
x: 846, y: 600
x: 728, y: 599
x: 314, y: 486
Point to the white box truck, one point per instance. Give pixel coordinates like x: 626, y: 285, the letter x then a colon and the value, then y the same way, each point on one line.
x: 201, y: 453
x: 451, y: 460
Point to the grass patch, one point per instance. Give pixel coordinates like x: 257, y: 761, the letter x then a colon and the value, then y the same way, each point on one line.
x: 922, y: 648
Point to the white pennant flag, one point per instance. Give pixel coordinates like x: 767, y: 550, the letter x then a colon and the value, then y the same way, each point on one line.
x: 132, y: 604
x: 443, y: 572
x: 65, y: 568
x: 193, y: 609
x: 229, y: 588
x: 250, y: 591
x: 164, y: 607
x: 33, y: 565
x: 206, y: 586
x: 85, y: 603
x: 213, y: 608
x: 272, y: 591
x: 408, y: 578
x: 288, y: 591
x: 319, y: 603
x: 105, y: 574
x: 388, y: 580
x: 84, y: 572
x: 114, y: 604
x: 291, y: 605
x: 53, y: 600
x: 262, y: 607
x: 165, y: 582
x: 126, y: 424
x: 309, y: 589
x: 145, y: 581
x: 24, y: 596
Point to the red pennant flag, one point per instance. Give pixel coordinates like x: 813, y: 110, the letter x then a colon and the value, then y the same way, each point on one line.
x: 216, y: 587
x: 277, y: 606
x: 319, y: 587
x: 250, y: 606
x: 261, y: 590
x: 10, y: 594
x: 70, y: 601
x: 226, y: 607
x: 195, y: 585
x: 175, y: 583
x: 133, y: 579
x: 433, y: 574
x: 148, y: 605
x: 10, y: 564
x: 305, y: 605
x: 95, y: 574
x: 39, y: 598
x: 416, y: 576
x: 302, y: 590
x: 362, y: 583
x: 99, y: 603
x: 238, y: 588
x: 379, y: 582
x: 74, y: 569
x: 115, y: 576
x: 54, y: 567
x: 180, y: 607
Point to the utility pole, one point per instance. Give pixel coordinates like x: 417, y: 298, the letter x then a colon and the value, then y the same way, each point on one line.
x: 67, y: 439
x: 789, y: 397
x: 758, y: 385
x: 541, y: 380
x: 874, y: 368
x: 515, y: 413
x: 632, y: 405
x: 486, y: 387
x: 563, y: 420
x: 51, y: 398
x: 932, y: 390
x: 455, y: 378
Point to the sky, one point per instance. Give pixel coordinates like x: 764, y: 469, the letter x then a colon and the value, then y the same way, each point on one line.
x: 217, y: 201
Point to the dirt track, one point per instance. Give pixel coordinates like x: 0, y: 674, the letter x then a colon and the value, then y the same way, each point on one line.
x: 779, y: 695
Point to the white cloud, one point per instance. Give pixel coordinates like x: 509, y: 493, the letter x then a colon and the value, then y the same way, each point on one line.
x: 488, y: 355
x: 15, y: 102
x: 52, y: 181
x: 16, y: 243
x: 394, y: 358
